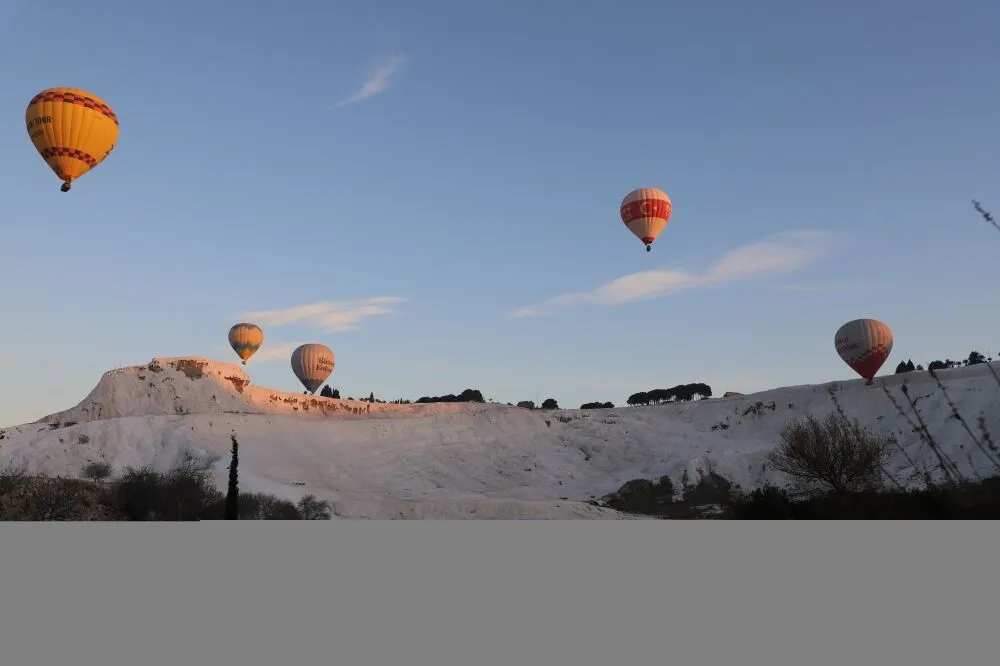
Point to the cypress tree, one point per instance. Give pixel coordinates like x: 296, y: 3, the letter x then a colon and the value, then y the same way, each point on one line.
x: 233, y: 493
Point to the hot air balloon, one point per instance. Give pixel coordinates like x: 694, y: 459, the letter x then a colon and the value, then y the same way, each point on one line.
x: 312, y: 363
x: 645, y: 212
x: 73, y: 130
x: 245, y: 339
x: 864, y: 344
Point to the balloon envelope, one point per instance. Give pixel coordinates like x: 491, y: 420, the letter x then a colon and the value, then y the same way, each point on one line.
x: 312, y: 363
x: 72, y: 129
x: 646, y: 212
x: 245, y: 339
x: 864, y: 344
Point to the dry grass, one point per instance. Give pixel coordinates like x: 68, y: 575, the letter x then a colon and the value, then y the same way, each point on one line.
x: 947, y: 468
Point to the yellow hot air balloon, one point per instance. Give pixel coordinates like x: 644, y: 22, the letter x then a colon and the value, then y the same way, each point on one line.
x: 73, y: 130
x: 245, y: 339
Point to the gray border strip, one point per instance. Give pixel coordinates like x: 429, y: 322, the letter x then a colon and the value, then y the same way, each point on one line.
x: 513, y: 593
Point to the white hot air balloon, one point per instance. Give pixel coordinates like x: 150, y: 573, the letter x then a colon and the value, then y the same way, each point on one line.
x: 312, y: 363
x: 864, y: 344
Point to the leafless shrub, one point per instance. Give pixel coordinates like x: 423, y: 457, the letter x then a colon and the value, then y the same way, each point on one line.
x: 311, y: 508
x: 834, y: 453
x: 260, y: 506
x: 12, y: 479
x: 185, y: 493
x: 40, y: 498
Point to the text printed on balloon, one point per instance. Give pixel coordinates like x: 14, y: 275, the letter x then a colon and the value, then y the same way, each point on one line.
x: 40, y: 120
x: 646, y: 208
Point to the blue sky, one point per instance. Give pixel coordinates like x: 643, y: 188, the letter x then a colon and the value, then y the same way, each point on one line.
x: 477, y: 171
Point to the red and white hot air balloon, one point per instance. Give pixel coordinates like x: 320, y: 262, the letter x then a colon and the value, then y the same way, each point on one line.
x: 645, y: 212
x: 864, y: 344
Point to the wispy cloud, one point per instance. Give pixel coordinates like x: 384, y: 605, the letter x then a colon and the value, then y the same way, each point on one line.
x: 812, y: 288
x: 278, y: 352
x: 777, y: 254
x: 269, y: 353
x: 328, y: 316
x: 379, y: 81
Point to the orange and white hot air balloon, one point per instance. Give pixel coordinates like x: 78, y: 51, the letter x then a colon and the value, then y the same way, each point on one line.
x: 646, y: 212
x: 864, y: 344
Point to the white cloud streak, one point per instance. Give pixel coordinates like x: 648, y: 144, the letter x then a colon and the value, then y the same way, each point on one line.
x: 327, y: 316
x: 812, y: 288
x: 269, y: 353
x: 781, y: 253
x: 380, y: 80
x: 272, y: 354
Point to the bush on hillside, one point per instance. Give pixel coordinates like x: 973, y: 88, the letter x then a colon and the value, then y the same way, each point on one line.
x: 96, y: 471
x: 974, y: 358
x: 260, y: 506
x: 681, y: 392
x: 183, y: 494
x: 468, y: 395
x: 311, y: 508
x: 835, y: 454
x: 597, y: 405
x: 974, y: 500
x: 550, y: 403
x: 708, y: 497
x: 34, y: 498
x: 328, y: 392
x: 642, y: 496
x: 140, y: 494
x: 527, y: 404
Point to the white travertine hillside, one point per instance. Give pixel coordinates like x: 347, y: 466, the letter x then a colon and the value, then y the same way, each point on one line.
x: 466, y: 460
x: 195, y: 385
